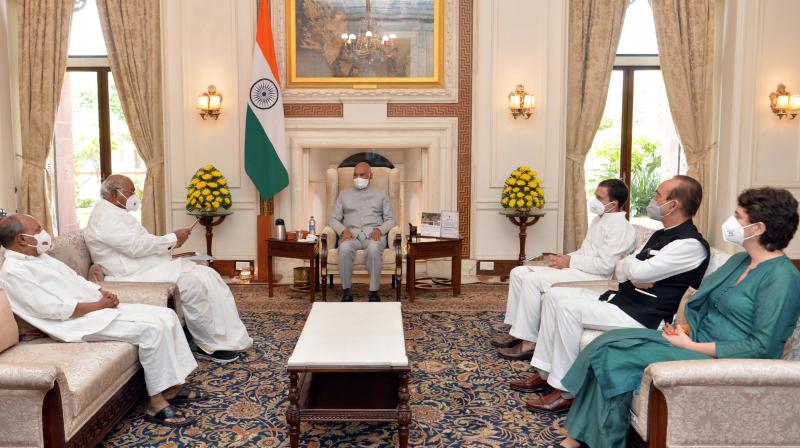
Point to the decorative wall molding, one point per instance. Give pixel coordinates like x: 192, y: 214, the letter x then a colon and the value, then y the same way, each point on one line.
x: 448, y: 93
x: 461, y: 110
x: 313, y: 110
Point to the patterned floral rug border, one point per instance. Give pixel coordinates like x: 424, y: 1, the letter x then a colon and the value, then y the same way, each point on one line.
x: 459, y: 392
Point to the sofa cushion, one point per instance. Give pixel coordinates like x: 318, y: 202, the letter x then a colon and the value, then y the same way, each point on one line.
x: 70, y: 248
x: 27, y: 332
x: 588, y: 336
x: 9, y: 335
x: 91, y: 370
x: 387, y: 258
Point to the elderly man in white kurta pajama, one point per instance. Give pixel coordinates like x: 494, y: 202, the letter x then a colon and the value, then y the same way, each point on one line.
x: 610, y: 235
x: 50, y: 296
x: 126, y: 251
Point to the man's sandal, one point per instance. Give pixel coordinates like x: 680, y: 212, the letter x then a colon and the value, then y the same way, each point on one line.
x: 189, y: 395
x: 164, y: 416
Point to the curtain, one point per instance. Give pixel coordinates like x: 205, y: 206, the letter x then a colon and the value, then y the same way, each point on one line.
x: 43, y: 41
x: 685, y: 33
x: 132, y: 34
x: 594, y: 30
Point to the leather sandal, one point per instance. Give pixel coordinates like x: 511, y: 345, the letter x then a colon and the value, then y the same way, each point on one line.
x: 163, y: 416
x: 187, y: 395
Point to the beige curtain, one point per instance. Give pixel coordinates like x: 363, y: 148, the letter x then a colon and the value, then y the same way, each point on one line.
x: 43, y: 41
x: 132, y: 32
x: 594, y: 29
x: 685, y: 32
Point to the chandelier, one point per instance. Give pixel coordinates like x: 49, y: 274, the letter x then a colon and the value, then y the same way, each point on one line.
x: 369, y: 45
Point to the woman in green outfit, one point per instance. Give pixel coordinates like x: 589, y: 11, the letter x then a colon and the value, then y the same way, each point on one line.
x: 745, y: 309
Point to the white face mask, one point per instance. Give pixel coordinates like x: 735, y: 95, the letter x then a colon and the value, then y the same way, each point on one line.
x: 654, y: 210
x: 360, y: 183
x: 132, y: 204
x: 733, y: 232
x: 597, y: 207
x: 43, y: 242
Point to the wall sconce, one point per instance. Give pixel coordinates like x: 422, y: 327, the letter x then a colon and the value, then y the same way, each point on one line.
x: 210, y: 103
x: 520, y: 102
x: 784, y: 103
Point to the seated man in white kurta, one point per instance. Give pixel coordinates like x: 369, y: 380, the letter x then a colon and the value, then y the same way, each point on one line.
x: 50, y: 296
x: 128, y: 252
x: 610, y: 235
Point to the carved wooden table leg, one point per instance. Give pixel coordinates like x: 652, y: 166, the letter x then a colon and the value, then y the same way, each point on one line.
x: 293, y: 412
x: 523, y: 222
x: 403, y: 411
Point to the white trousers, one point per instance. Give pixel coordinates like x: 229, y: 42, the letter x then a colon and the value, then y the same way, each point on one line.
x: 525, y: 288
x: 565, y: 313
x: 163, y: 351
x: 210, y: 311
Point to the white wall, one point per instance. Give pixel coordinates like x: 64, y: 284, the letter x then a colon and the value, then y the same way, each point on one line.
x: 517, y: 42
x: 755, y: 147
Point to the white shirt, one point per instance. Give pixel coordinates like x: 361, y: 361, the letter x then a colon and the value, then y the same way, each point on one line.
x: 126, y: 250
x: 610, y: 235
x: 44, y: 292
x: 676, y: 257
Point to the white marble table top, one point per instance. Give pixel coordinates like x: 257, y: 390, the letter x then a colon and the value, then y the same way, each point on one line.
x: 356, y: 334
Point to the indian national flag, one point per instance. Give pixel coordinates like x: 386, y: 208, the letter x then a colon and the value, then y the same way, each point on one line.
x: 265, y: 156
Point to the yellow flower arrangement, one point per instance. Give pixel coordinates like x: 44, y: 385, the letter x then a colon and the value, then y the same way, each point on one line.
x: 522, y: 190
x: 207, y: 191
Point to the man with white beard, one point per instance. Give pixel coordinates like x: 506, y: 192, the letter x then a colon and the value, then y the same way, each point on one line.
x: 126, y: 251
x: 49, y: 295
x: 610, y: 235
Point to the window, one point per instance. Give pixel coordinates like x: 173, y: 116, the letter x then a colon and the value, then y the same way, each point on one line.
x: 91, y: 138
x: 636, y: 140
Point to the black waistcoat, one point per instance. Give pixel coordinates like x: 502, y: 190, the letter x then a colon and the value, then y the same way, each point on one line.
x: 650, y: 311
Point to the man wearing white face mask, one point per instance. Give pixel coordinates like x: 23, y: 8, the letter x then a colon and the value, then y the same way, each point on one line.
x: 362, y: 217
x: 49, y: 295
x: 652, y: 282
x: 610, y: 235
x: 128, y: 252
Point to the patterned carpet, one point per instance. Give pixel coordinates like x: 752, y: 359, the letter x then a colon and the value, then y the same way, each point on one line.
x: 459, y: 393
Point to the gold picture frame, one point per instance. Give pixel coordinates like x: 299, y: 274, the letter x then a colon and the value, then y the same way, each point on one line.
x: 332, y: 56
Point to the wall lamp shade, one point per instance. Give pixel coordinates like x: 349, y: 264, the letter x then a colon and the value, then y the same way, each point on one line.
x: 210, y: 103
x: 521, y: 102
x: 784, y: 103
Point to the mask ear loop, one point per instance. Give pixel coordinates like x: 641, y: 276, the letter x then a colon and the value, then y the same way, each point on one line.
x: 755, y: 234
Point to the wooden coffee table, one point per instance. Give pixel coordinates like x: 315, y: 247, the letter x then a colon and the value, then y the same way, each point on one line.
x: 350, y: 364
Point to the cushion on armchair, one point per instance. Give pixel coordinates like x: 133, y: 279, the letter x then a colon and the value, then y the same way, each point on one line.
x: 9, y: 336
x: 70, y: 249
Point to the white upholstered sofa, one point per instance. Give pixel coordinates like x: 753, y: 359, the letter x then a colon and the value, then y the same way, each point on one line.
x: 718, y: 402
x: 57, y: 394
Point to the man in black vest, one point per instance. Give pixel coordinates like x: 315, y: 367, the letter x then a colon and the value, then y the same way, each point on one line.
x: 652, y: 282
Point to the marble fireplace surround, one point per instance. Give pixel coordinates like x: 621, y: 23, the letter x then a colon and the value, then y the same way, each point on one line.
x: 435, y: 138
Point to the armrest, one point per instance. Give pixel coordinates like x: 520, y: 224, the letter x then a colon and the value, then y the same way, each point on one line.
x: 724, y: 372
x: 394, y: 234
x: 594, y: 285
x: 158, y: 294
x: 27, y: 377
x: 722, y: 402
x: 328, y: 230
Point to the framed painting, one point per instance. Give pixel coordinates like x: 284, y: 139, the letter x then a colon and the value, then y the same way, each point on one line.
x: 365, y: 43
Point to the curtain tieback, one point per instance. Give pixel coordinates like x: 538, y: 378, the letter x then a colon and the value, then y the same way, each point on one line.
x: 576, y: 159
x: 150, y: 164
x: 701, y: 158
x: 35, y: 164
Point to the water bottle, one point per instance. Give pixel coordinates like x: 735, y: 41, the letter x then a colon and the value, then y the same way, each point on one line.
x: 312, y: 226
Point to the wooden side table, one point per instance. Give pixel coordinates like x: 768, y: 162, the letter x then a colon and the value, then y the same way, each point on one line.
x: 523, y: 220
x: 295, y: 249
x: 209, y: 220
x: 421, y: 248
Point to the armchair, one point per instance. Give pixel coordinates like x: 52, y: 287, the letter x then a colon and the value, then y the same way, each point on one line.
x: 386, y: 176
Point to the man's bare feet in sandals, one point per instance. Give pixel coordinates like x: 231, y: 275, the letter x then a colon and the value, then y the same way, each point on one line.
x: 168, y: 416
x: 569, y: 442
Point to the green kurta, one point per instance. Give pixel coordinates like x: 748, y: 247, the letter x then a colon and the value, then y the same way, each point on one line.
x: 750, y: 320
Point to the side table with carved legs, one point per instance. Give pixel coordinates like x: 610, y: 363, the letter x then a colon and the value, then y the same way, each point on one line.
x: 523, y: 220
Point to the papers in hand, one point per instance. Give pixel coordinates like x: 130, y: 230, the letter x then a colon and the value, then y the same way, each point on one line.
x: 200, y: 257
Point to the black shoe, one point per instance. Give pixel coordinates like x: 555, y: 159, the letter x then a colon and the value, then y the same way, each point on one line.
x: 347, y: 295
x: 374, y: 296
x: 220, y: 356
